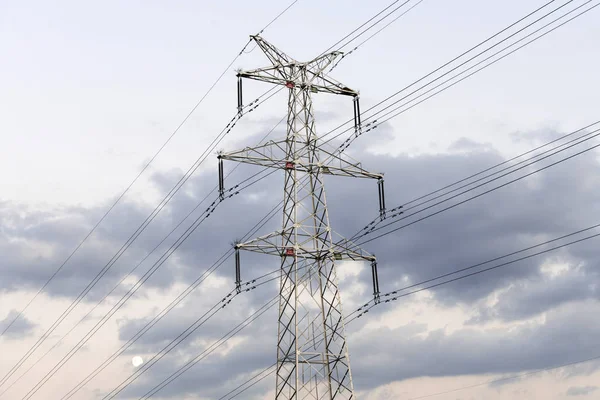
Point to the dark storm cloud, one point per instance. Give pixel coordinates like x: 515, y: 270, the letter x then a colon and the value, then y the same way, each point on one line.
x: 581, y: 390
x: 21, y: 327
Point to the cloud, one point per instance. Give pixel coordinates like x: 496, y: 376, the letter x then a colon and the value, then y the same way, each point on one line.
x: 581, y: 390
x: 542, y: 207
x: 20, y: 328
x: 563, y: 337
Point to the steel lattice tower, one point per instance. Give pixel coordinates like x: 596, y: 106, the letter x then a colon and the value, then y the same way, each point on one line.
x: 312, y: 354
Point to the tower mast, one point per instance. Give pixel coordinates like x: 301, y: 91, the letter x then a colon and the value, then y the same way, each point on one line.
x: 312, y: 354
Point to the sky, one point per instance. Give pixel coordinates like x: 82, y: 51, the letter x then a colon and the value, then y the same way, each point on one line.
x: 89, y: 92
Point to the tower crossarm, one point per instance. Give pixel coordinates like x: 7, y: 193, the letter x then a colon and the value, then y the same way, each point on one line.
x: 278, y: 75
x: 271, y: 244
x: 318, y: 85
x: 288, y: 72
x: 287, y: 75
x: 273, y: 155
x: 336, y: 164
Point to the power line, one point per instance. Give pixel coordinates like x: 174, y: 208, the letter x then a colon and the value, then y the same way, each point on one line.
x: 479, y: 44
x: 490, y: 382
x: 253, y: 105
x: 246, y: 382
x: 396, y: 295
x: 376, y: 33
x: 218, y: 306
x: 421, y: 283
x: 163, y: 258
x: 199, y: 220
x: 84, y: 318
x: 376, y: 23
x: 257, y: 381
x: 277, y: 17
x: 270, y: 304
x: 357, y: 29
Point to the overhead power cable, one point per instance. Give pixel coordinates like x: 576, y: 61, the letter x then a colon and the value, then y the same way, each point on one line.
x: 256, y: 382
x: 161, y: 148
x: 255, y: 315
x: 199, y: 220
x: 357, y: 29
x: 374, y: 225
x: 355, y: 48
x: 254, y: 378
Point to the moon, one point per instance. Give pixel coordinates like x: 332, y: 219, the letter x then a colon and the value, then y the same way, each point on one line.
x: 137, y: 361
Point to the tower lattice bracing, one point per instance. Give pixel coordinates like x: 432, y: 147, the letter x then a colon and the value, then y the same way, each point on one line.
x: 312, y: 353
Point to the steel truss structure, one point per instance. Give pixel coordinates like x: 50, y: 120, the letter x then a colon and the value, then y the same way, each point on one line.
x: 312, y: 353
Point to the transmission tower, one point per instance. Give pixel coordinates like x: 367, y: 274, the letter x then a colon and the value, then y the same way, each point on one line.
x: 312, y: 354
